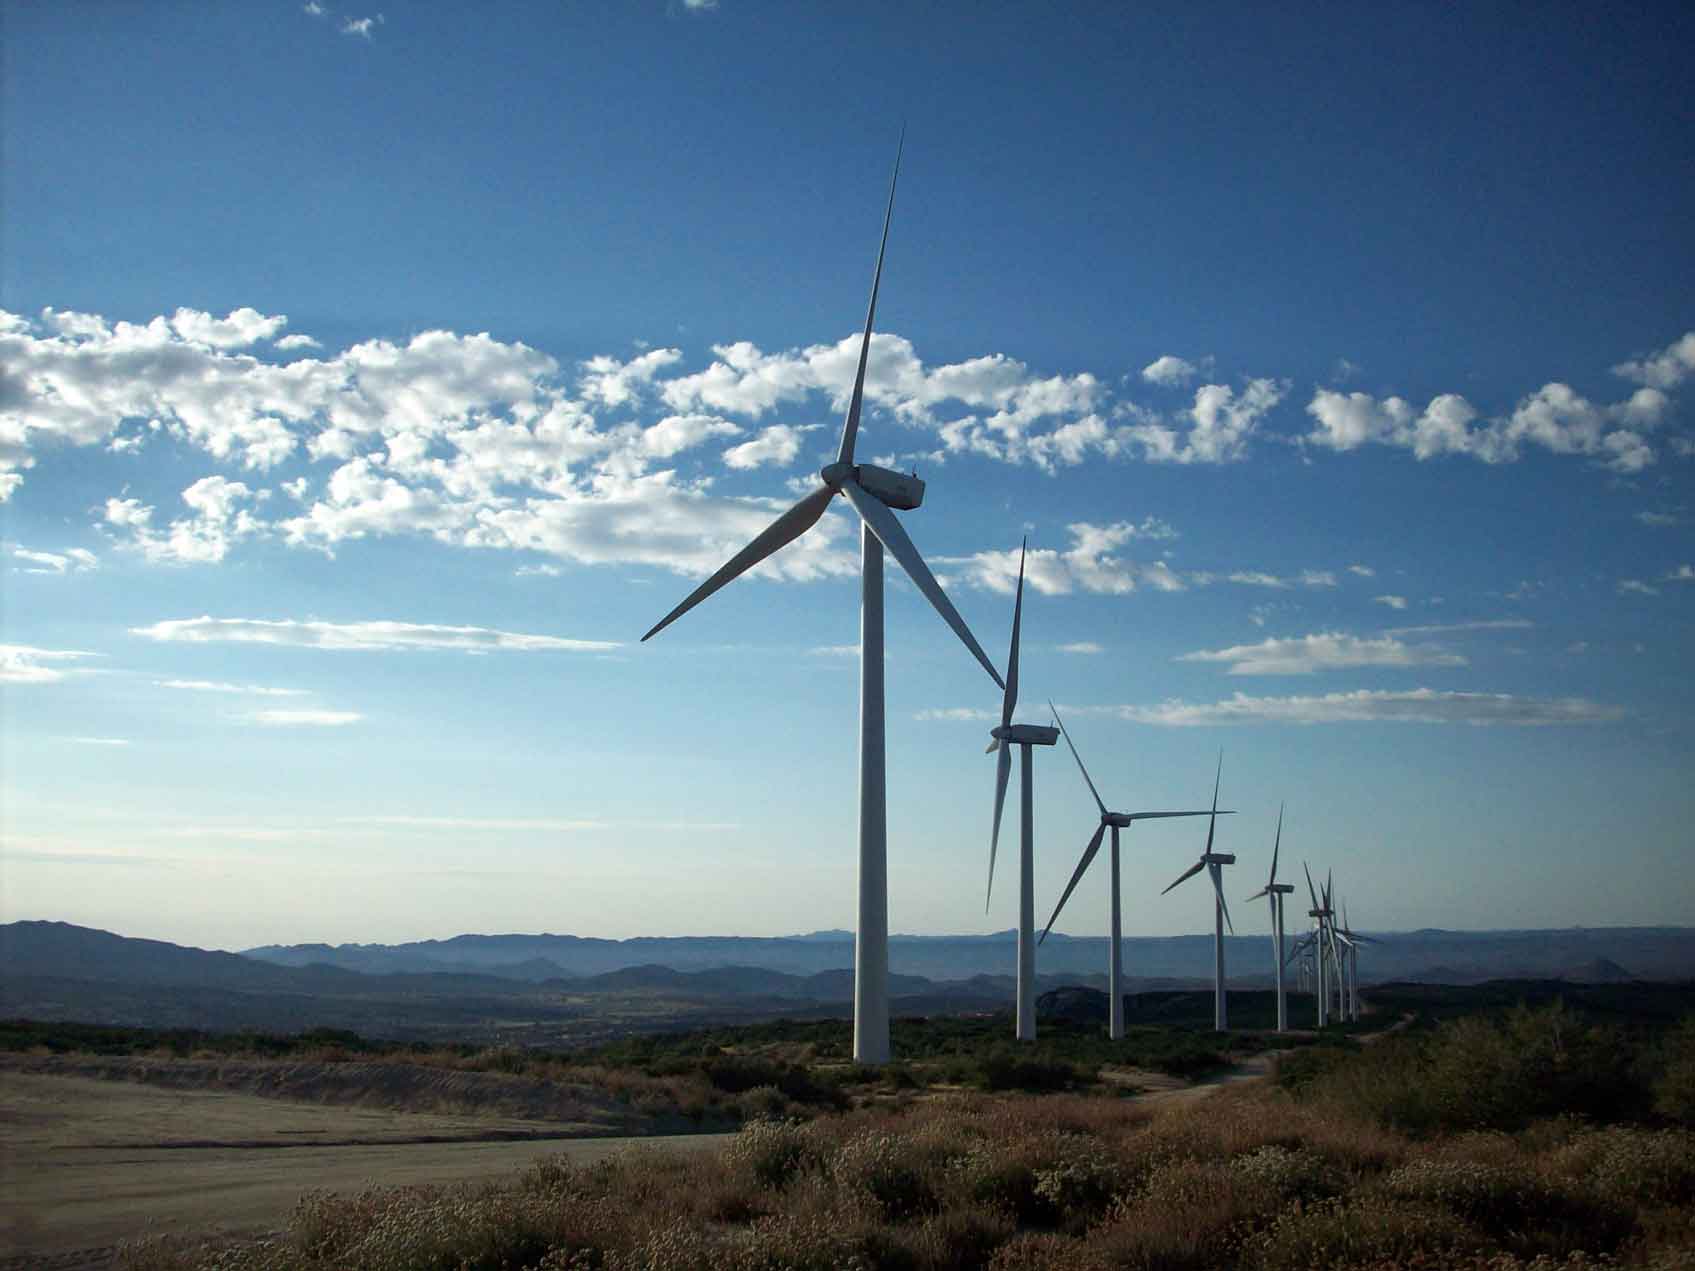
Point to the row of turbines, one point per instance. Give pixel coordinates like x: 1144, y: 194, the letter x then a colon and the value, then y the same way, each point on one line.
x: 875, y: 494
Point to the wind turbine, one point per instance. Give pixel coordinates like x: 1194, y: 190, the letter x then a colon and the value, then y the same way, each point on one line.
x: 1004, y: 738
x: 1320, y: 914
x: 873, y: 492
x: 1353, y: 940
x: 1213, y: 862
x: 1276, y: 891
x: 1115, y: 821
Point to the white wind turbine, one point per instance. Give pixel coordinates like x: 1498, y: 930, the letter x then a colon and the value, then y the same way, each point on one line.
x: 872, y: 491
x: 1320, y: 914
x: 1352, y: 940
x: 1276, y: 891
x: 1115, y: 821
x: 1005, y: 737
x: 1213, y: 862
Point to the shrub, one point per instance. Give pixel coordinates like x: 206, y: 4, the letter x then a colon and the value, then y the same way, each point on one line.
x: 774, y: 1151
x: 886, y: 1169
x: 1674, y: 1091
x: 1367, y: 1233
x: 1526, y: 1213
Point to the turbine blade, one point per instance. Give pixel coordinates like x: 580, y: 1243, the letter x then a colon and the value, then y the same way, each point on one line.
x: 781, y: 532
x: 1310, y: 890
x: 994, y: 745
x: 1076, y: 876
x: 1155, y: 816
x: 1003, y: 769
x: 888, y: 530
x: 1213, y: 824
x: 850, y: 426
x: 1217, y: 873
x: 1009, y: 700
x: 1187, y: 874
x: 1276, y: 846
x: 1082, y: 769
x: 1263, y: 891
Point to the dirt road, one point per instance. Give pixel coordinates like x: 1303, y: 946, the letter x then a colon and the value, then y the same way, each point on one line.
x: 86, y: 1163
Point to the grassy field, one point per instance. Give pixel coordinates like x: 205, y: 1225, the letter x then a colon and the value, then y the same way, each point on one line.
x: 1534, y: 1138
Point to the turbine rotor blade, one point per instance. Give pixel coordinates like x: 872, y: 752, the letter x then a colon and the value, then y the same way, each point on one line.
x: 1076, y: 876
x: 850, y: 426
x: 888, y: 530
x: 1217, y: 873
x: 1155, y: 816
x: 1187, y: 874
x: 994, y: 745
x: 1276, y: 846
x: 1081, y: 768
x: 780, y: 533
x: 1310, y: 891
x: 1003, y: 769
x: 1009, y: 699
x: 1213, y: 824
x: 1263, y: 891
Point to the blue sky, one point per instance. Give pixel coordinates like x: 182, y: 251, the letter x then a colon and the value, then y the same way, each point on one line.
x: 373, y: 380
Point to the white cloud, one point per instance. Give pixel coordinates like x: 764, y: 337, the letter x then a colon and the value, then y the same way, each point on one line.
x: 1324, y: 651
x: 1636, y: 587
x: 99, y: 741
x: 538, y: 571
x: 361, y: 27
x: 298, y: 341
x: 73, y: 560
x: 240, y: 328
x: 1259, y: 578
x: 1394, y: 602
x: 700, y: 6
x: 1659, y: 520
x: 835, y: 651
x: 777, y: 445
x: 1578, y: 646
x: 1216, y: 429
x: 362, y: 636
x: 1666, y: 369
x: 1415, y: 706
x: 304, y: 718
x: 1445, y: 628
x: 217, y: 521
x: 609, y: 382
x: 959, y: 715
x: 21, y: 664
x: 220, y: 686
x: 1089, y: 564
x: 313, y: 8
x: 1169, y: 370
x: 1554, y: 417
x: 1082, y: 646
x: 1364, y: 571
x: 1682, y: 574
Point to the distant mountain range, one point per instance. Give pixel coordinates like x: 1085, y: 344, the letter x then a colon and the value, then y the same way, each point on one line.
x: 1462, y: 957
x: 568, y: 990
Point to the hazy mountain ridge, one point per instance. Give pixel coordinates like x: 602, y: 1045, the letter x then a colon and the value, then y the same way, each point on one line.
x: 1647, y: 952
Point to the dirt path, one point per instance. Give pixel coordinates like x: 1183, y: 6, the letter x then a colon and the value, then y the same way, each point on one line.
x: 86, y: 1164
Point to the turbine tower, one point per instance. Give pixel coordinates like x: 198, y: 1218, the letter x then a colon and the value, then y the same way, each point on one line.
x: 1353, y: 940
x: 1004, y: 738
x: 873, y: 492
x: 1276, y: 891
x: 1320, y: 914
x: 1115, y: 821
x: 1213, y: 862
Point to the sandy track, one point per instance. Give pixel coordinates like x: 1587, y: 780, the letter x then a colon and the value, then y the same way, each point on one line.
x: 86, y: 1164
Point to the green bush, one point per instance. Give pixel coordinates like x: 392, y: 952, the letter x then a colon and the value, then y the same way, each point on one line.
x: 1674, y: 1091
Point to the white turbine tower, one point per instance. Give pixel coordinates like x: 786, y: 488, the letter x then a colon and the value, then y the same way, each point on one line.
x: 1213, y: 862
x: 1352, y: 940
x: 1115, y: 821
x: 1276, y: 891
x: 1320, y: 914
x: 1005, y: 737
x: 872, y: 491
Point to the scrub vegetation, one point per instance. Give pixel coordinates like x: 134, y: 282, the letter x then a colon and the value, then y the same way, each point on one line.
x: 1531, y: 1138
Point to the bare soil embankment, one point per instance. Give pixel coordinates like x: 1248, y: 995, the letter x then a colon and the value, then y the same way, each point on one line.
x: 88, y: 1161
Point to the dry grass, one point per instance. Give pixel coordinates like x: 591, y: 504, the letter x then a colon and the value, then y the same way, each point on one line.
x: 1253, y: 1177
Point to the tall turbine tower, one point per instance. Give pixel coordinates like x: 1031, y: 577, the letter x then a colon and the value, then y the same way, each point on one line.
x: 1115, y: 821
x: 872, y: 491
x: 1276, y: 891
x: 1004, y: 738
x: 1213, y: 862
x: 1320, y: 914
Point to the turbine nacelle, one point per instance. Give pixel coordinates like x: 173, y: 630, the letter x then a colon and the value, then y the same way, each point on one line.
x: 1024, y: 735
x: 903, y: 491
x: 1218, y: 858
